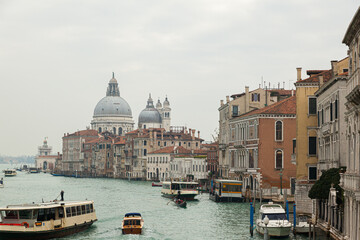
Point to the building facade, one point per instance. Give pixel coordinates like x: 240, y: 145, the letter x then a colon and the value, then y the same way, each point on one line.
x: 350, y: 180
x: 44, y: 160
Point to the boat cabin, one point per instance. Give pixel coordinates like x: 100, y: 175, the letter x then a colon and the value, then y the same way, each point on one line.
x: 187, y: 190
x: 132, y: 223
x: 226, y: 191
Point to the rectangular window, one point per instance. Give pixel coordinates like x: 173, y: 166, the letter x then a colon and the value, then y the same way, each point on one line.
x: 331, y: 111
x: 336, y: 109
x: 322, y: 116
x: 294, y: 145
x: 312, y: 145
x: 312, y: 105
x: 318, y: 118
x: 235, y: 111
x: 312, y: 173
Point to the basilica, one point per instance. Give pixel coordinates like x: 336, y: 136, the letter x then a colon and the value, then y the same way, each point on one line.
x: 113, y: 114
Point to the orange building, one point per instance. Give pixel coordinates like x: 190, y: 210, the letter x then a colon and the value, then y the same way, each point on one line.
x: 262, y: 142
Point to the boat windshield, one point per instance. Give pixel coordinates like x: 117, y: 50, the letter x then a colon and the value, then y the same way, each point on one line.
x: 275, y: 216
x: 131, y: 222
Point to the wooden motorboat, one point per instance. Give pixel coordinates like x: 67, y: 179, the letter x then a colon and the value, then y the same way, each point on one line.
x: 180, y: 203
x: 46, y: 220
x: 132, y: 223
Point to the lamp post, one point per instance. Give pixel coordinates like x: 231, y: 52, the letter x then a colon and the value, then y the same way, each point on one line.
x: 281, y: 174
x: 266, y: 222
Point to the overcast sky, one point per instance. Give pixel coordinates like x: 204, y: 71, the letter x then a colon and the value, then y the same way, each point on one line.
x: 57, y: 57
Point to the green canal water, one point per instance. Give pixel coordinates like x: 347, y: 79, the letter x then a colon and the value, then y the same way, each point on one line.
x: 202, y: 219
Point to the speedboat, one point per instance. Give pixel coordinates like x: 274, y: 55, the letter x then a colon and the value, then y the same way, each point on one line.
x: 302, y: 224
x: 278, y: 225
x: 187, y: 190
x: 10, y: 172
x: 46, y: 220
x: 132, y: 223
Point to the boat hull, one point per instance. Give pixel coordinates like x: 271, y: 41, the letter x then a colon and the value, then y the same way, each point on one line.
x: 187, y: 197
x: 56, y: 233
x: 131, y: 230
x: 274, y: 231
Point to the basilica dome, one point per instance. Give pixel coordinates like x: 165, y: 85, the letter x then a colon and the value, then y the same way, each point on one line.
x: 149, y: 114
x: 112, y: 106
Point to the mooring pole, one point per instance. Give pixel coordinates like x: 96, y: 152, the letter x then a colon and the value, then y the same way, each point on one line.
x: 294, y: 228
x: 251, y: 219
x: 287, y: 210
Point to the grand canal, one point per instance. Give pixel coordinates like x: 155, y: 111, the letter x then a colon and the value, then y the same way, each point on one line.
x: 202, y: 219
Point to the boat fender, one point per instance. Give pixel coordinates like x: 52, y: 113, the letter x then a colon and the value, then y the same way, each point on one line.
x: 25, y: 224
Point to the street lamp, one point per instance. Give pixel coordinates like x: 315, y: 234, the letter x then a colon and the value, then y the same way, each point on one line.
x: 266, y: 222
x: 281, y: 174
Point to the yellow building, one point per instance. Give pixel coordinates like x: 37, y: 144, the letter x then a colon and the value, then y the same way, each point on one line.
x: 306, y: 144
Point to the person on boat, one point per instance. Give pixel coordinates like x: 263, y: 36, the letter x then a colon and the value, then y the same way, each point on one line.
x: 1, y: 181
x: 62, y: 195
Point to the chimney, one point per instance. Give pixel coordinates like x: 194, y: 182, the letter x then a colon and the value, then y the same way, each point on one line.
x: 298, y: 74
x: 227, y: 99
x: 190, y: 131
x: 334, y: 67
x: 247, y: 99
x: 292, y: 92
x: 193, y: 134
x: 198, y: 134
x: 321, y: 80
x: 221, y: 102
x: 278, y: 85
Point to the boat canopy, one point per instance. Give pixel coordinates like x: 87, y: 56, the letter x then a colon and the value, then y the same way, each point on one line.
x: 132, y: 215
x: 45, y: 205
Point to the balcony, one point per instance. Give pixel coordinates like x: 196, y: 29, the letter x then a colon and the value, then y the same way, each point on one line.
x: 351, y: 182
x: 354, y: 95
x: 325, y: 128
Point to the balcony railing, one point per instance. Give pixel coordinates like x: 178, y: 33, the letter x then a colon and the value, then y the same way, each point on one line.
x: 350, y: 181
x: 353, y: 81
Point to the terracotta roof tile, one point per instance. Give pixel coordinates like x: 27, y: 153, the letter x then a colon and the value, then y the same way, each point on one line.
x: 327, y: 75
x: 286, y: 106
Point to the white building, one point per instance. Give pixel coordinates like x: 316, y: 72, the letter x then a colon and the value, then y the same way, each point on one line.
x: 112, y: 113
x: 44, y: 160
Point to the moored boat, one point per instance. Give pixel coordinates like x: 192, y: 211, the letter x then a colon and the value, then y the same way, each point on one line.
x: 278, y: 225
x: 46, y: 220
x: 33, y: 170
x: 182, y: 190
x: 10, y: 172
x: 302, y: 224
x: 132, y: 223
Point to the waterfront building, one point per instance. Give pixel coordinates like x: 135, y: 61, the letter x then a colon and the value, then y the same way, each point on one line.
x: 142, y: 141
x: 350, y: 180
x: 44, y: 160
x: 158, y: 117
x: 331, y: 135
x: 73, y: 145
x: 212, y: 158
x: 112, y: 113
x: 306, y: 152
x: 240, y: 104
x: 177, y: 163
x: 260, y: 148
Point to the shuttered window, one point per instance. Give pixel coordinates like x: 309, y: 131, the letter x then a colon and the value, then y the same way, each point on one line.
x: 312, y: 145
x: 336, y: 109
x: 312, y: 106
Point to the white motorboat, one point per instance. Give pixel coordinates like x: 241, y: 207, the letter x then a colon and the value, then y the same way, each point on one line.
x: 10, y: 172
x: 278, y: 225
x: 302, y: 224
x: 46, y: 220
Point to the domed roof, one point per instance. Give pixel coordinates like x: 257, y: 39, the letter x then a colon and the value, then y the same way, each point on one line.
x: 149, y: 114
x: 112, y: 106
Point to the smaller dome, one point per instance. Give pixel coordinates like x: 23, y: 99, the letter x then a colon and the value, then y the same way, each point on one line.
x: 149, y: 115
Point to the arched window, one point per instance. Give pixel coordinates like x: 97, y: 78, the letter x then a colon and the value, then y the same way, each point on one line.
x: 279, y: 159
x: 278, y: 131
x: 114, y: 130
x: 99, y: 129
x: 120, y: 131
x: 108, y: 164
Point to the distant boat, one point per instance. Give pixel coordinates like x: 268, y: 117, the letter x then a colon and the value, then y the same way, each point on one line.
x: 33, y: 170
x: 46, y: 220
x: 180, y: 203
x: 132, y: 223
x: 10, y: 172
x: 57, y: 174
x: 1, y: 183
x: 156, y: 184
